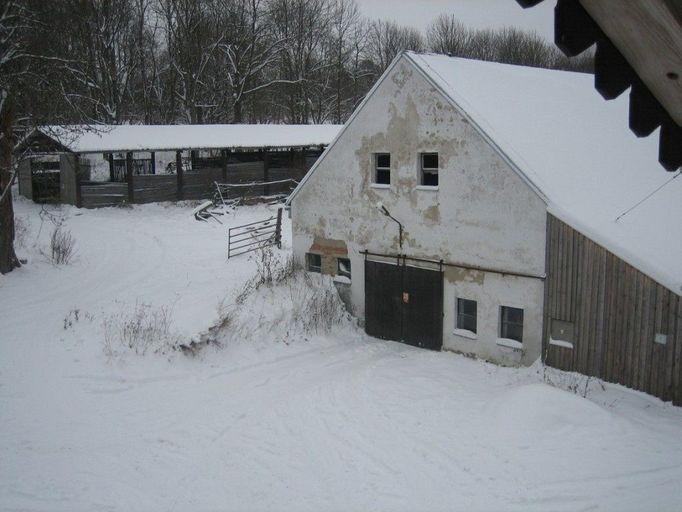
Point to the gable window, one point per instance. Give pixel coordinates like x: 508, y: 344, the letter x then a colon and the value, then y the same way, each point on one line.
x: 466, y: 315
x: 382, y: 168
x: 511, y: 323
x: 428, y: 170
x: 343, y: 267
x: 313, y: 262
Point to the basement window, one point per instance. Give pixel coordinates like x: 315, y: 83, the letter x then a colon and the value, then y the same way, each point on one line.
x: 343, y: 267
x: 466, y: 315
x: 382, y: 168
x: 511, y: 323
x: 313, y: 262
x: 428, y: 170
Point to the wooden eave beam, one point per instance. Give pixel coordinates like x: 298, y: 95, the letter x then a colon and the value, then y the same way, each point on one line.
x: 648, y: 33
x: 638, y: 46
x: 574, y: 30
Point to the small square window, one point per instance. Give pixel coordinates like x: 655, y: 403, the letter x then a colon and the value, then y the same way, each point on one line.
x: 382, y: 168
x: 313, y: 262
x: 343, y: 267
x: 511, y: 323
x: 429, y: 169
x: 466, y: 314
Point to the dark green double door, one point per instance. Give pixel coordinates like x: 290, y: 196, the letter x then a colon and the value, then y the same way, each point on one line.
x: 404, y: 303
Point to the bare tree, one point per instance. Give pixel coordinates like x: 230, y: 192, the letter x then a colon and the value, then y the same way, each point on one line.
x: 14, y: 20
x: 449, y: 36
x: 515, y: 46
x: 508, y: 45
x: 248, y: 52
x: 145, y: 78
x: 101, y: 47
x: 303, y: 25
x: 387, y: 39
x: 345, y: 19
x: 191, y: 45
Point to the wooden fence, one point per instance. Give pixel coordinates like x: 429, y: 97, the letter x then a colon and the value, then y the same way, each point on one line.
x: 198, y: 183
x: 94, y: 194
x: 611, y: 320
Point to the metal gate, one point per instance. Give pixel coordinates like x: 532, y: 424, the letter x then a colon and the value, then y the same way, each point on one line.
x: 404, y: 303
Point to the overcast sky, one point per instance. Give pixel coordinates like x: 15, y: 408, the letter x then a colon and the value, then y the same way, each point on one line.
x: 473, y: 13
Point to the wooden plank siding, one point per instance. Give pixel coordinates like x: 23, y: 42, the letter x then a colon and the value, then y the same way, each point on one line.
x: 616, y: 312
x: 153, y: 188
x: 96, y: 194
x: 198, y: 184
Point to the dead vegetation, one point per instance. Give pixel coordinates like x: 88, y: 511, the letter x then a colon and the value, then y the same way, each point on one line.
x: 62, y: 246
x: 292, y: 304
x: 140, y: 331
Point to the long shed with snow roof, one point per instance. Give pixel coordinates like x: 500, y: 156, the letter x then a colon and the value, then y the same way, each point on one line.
x: 101, y: 165
x: 498, y: 211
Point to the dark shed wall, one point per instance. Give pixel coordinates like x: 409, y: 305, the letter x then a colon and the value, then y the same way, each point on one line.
x: 25, y: 178
x: 68, y: 179
x: 615, y: 312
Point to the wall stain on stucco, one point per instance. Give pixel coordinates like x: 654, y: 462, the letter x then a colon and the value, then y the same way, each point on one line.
x: 401, y: 76
x: 432, y: 214
x: 457, y: 274
x: 403, y: 140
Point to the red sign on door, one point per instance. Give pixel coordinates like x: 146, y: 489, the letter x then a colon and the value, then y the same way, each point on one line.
x: 406, y: 298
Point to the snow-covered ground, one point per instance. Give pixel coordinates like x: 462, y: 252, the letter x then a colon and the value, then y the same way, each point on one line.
x: 275, y: 419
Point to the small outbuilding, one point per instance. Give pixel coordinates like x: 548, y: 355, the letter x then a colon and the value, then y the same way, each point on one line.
x: 105, y: 165
x: 504, y: 212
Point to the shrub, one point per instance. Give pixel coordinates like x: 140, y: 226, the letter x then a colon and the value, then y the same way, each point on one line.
x: 282, y: 302
x: 20, y: 230
x: 62, y: 246
x: 143, y: 329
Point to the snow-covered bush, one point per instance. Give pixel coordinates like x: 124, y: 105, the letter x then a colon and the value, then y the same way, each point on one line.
x: 282, y: 302
x: 144, y: 329
x: 62, y: 246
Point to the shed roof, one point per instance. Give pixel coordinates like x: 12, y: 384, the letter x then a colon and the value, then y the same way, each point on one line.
x: 121, y: 138
x: 578, y: 151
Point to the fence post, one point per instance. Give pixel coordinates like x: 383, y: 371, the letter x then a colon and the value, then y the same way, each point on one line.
x: 224, y: 154
x: 111, y: 167
x: 266, y: 172
x: 129, y: 177
x: 278, y: 229
x: 178, y: 170
x: 79, y: 197
x: 153, y: 158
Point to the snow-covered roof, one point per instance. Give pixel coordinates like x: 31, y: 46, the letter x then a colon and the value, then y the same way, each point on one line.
x: 573, y: 148
x: 577, y: 151
x: 119, y: 138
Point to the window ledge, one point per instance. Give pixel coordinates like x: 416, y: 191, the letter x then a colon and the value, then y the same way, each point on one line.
x: 427, y: 187
x: 379, y: 185
x: 465, y: 333
x: 508, y: 343
x: 341, y: 279
x: 560, y: 343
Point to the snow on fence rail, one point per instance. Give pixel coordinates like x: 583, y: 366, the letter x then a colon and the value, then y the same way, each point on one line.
x: 255, y: 235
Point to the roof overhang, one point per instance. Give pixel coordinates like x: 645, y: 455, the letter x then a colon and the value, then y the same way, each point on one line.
x: 638, y: 46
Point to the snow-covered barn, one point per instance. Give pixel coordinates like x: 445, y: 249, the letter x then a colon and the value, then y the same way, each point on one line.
x: 102, y: 165
x: 496, y: 210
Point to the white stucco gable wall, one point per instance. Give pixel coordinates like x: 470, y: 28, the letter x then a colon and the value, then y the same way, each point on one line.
x: 482, y: 214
